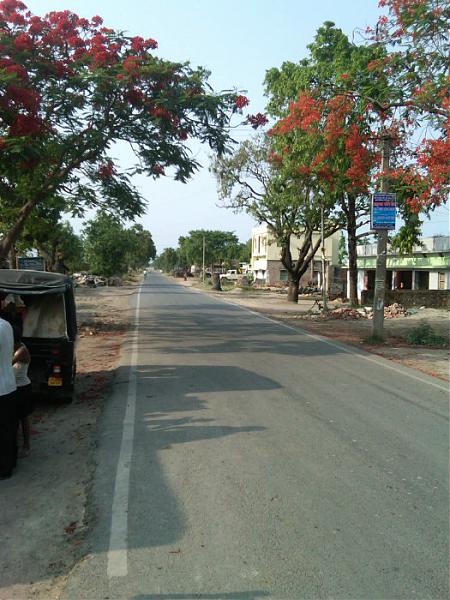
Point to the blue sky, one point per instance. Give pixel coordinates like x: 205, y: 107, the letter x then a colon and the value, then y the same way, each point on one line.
x: 237, y: 41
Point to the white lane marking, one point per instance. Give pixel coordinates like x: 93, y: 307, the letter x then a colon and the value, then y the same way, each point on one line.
x: 118, y: 539
x: 339, y: 347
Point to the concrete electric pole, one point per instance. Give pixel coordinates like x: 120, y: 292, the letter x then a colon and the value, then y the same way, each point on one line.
x: 203, y: 265
x: 324, y: 274
x: 380, y: 275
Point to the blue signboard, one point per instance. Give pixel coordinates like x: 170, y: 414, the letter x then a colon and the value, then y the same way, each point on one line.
x: 31, y: 263
x: 384, y: 209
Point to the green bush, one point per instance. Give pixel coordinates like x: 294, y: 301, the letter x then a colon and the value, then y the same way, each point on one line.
x: 424, y: 334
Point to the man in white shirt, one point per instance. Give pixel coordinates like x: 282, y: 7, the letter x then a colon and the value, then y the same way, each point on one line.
x: 8, y: 418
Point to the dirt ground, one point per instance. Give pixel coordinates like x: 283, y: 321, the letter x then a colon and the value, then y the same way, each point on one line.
x: 433, y: 360
x: 43, y: 507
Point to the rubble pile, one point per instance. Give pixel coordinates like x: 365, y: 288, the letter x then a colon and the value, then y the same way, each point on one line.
x: 89, y: 280
x: 346, y: 313
x: 394, y: 310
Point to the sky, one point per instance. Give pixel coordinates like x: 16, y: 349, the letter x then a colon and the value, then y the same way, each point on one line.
x: 237, y: 40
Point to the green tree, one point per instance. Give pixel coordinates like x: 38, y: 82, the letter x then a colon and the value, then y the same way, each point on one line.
x: 220, y: 247
x: 140, y: 247
x: 245, y: 251
x: 71, y: 88
x: 167, y: 260
x: 106, y: 243
x: 251, y: 181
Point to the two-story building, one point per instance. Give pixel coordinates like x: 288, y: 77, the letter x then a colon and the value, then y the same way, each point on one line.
x: 426, y: 268
x: 266, y: 262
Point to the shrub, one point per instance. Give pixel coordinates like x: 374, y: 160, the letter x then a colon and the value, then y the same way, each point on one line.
x: 424, y: 334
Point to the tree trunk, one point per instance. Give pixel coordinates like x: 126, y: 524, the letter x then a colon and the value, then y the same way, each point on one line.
x: 293, y: 291
x: 7, y: 242
x: 216, y: 282
x: 352, y: 253
x: 13, y: 257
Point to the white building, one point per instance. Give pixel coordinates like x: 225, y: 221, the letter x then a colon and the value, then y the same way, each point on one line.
x: 266, y: 262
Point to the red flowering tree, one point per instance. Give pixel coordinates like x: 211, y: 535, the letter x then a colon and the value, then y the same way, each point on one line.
x: 326, y: 142
x: 415, y: 35
x: 396, y: 83
x: 70, y: 88
x: 316, y: 101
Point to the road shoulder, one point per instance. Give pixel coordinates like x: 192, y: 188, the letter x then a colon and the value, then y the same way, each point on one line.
x: 44, y: 507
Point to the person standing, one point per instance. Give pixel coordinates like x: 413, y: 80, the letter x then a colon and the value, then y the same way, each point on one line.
x: 8, y: 410
x: 21, y: 362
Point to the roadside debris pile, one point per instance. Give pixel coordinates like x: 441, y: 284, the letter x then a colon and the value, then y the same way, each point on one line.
x: 395, y: 310
x: 88, y: 280
x: 347, y: 313
x: 85, y: 279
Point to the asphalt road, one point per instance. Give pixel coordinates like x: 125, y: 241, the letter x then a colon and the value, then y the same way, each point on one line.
x: 241, y: 459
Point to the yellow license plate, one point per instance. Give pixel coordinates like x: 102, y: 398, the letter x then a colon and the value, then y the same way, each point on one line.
x: 55, y: 381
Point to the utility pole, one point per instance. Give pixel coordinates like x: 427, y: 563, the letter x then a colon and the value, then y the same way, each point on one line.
x: 324, y: 276
x: 203, y: 266
x: 382, y: 238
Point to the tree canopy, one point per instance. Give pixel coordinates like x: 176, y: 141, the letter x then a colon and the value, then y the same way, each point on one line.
x: 253, y: 180
x: 70, y: 89
x: 220, y: 247
x: 111, y: 249
x: 167, y: 260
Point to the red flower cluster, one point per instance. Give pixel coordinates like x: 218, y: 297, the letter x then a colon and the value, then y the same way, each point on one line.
x: 26, y: 125
x: 339, y: 153
x: 161, y: 112
x: 63, y: 35
x: 132, y: 65
x: 23, y: 42
x: 304, y: 113
x: 22, y: 97
x: 106, y: 170
x: 158, y: 170
x: 241, y: 101
x: 258, y: 120
x: 135, y: 96
x: 140, y: 45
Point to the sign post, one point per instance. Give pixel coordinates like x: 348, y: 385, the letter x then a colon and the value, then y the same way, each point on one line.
x: 31, y: 263
x: 383, y: 212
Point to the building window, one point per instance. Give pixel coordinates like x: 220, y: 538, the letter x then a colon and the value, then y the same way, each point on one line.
x: 283, y: 275
x: 422, y: 280
x: 441, y: 281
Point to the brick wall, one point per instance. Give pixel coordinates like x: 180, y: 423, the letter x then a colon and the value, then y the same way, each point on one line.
x: 275, y: 266
x: 408, y: 298
x: 273, y: 271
